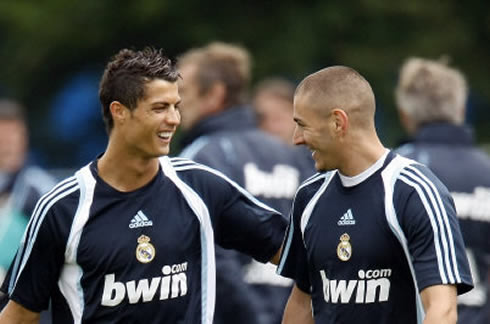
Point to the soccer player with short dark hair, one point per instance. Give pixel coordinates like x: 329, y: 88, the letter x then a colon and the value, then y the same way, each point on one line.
x: 130, y: 237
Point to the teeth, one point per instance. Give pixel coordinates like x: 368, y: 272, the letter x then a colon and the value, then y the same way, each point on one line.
x: 165, y: 135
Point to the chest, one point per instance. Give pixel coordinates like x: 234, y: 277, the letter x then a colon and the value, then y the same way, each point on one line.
x: 145, y: 232
x: 350, y: 227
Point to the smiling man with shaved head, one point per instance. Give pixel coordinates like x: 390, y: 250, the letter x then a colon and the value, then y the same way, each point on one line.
x: 337, y: 103
x: 373, y: 237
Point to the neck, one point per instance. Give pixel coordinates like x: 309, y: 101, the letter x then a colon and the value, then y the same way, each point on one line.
x: 363, y: 154
x: 125, y: 171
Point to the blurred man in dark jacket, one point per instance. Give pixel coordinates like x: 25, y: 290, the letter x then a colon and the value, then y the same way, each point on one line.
x: 21, y: 184
x: 221, y: 132
x: 431, y: 100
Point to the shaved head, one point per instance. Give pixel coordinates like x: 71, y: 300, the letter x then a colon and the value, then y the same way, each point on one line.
x: 334, y: 114
x: 339, y: 87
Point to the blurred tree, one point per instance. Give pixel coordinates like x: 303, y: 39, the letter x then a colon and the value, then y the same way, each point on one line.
x: 44, y: 43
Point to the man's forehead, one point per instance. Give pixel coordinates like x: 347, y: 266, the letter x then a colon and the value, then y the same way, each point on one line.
x: 159, y: 89
x: 307, y: 100
x: 161, y: 84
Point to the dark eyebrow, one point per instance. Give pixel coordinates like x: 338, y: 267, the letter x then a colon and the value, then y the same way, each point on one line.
x: 298, y: 121
x: 164, y: 103
x: 156, y: 103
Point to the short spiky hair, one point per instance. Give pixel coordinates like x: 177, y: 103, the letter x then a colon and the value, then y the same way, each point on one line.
x: 127, y: 73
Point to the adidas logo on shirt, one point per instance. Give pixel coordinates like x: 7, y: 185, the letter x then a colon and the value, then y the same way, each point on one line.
x: 140, y: 220
x: 347, y: 219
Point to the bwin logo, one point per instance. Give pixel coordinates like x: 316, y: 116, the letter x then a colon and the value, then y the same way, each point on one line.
x: 282, y: 182
x: 172, y: 284
x: 375, y: 289
x: 140, y: 220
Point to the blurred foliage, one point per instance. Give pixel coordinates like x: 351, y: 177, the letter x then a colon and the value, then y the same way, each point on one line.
x: 45, y: 42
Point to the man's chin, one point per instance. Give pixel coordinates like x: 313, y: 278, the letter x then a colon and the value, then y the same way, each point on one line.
x: 162, y: 152
x: 322, y: 168
x: 319, y: 167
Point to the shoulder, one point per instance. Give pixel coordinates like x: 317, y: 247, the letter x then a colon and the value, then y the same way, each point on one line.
x: 265, y: 141
x: 478, y: 161
x: 206, y: 181
x: 214, y: 149
x: 184, y: 165
x: 211, y: 143
x: 418, y: 173
x: 315, y: 181
x: 197, y: 146
x: 38, y: 179
x: 397, y: 166
x: 55, y: 210
x: 404, y: 176
x: 406, y: 150
x: 193, y: 172
x: 64, y: 194
x: 62, y: 189
x: 311, y: 185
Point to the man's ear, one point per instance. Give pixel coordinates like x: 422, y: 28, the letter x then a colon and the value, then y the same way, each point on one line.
x: 119, y: 112
x: 216, y: 97
x: 407, y: 122
x: 341, y: 121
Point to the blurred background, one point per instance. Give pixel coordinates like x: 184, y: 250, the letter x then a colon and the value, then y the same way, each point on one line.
x: 52, y: 53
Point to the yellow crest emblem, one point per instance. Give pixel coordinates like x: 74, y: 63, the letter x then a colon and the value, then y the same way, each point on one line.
x: 145, y: 251
x: 344, y: 249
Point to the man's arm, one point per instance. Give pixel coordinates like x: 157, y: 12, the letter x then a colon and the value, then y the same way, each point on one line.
x: 15, y: 313
x: 298, y: 308
x: 440, y: 304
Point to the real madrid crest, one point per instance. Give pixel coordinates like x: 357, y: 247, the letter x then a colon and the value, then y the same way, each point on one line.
x: 344, y: 249
x: 145, y: 251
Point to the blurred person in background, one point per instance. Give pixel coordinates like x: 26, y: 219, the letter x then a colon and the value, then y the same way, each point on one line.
x: 273, y: 105
x: 431, y: 100
x: 221, y: 132
x: 21, y: 182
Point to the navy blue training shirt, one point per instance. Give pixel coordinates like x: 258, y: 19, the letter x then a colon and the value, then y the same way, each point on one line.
x: 145, y: 256
x: 364, y: 246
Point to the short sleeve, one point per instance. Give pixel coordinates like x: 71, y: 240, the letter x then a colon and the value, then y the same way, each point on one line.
x: 294, y: 263
x: 240, y: 221
x: 427, y: 216
x: 34, y: 272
